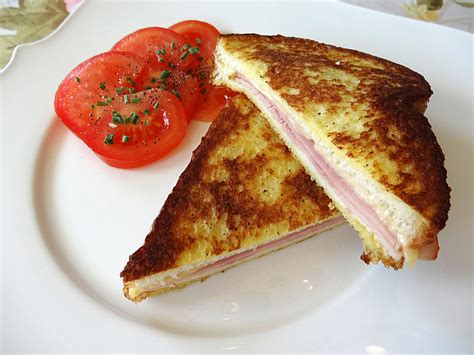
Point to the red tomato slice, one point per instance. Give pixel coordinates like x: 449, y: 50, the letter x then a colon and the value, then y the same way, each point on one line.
x: 212, y: 99
x: 98, y: 101
x: 161, y: 47
x: 200, y: 34
x: 182, y: 85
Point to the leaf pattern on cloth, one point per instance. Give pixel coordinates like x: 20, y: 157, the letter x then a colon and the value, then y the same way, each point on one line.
x: 33, y: 20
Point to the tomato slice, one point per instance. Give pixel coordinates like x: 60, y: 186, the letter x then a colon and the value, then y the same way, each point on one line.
x: 200, y: 34
x: 179, y: 83
x: 100, y: 102
x: 161, y: 47
x: 212, y: 99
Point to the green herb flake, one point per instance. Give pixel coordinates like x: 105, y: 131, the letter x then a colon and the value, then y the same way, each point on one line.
x: 126, y: 120
x: 124, y: 139
x: 176, y: 93
x: 146, y: 123
x: 125, y: 99
x: 184, y: 55
x: 134, y: 118
x: 198, y: 40
x: 153, y: 80
x: 101, y: 103
x: 109, y: 139
x: 193, y: 50
x: 186, y: 46
x: 130, y: 81
x: 171, y: 65
x: 173, y: 45
x: 91, y: 106
x: 163, y: 87
x: 146, y: 112
x: 165, y: 74
x: 116, y: 118
x: 156, y: 105
x: 135, y: 100
x: 77, y: 79
x: 131, y: 90
x: 118, y: 90
x: 108, y: 100
x: 102, y: 86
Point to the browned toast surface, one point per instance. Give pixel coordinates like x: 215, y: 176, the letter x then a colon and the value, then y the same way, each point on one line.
x: 241, y: 188
x: 371, y: 109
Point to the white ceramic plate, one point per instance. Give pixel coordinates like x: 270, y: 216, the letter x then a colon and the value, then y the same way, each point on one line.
x: 70, y: 222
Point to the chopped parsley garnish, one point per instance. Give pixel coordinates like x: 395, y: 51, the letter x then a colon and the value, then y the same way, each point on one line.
x: 198, y: 40
x: 116, y: 118
x: 160, y: 51
x: 126, y: 120
x: 108, y: 100
x: 102, y: 86
x: 146, y: 122
x: 184, y: 55
x: 135, y: 100
x: 153, y: 80
x: 146, y: 112
x: 163, y: 87
x: 186, y: 46
x: 193, y: 50
x: 165, y: 74
x: 173, y: 46
x: 125, y: 99
x: 171, y: 65
x: 176, y: 93
x: 91, y: 106
x: 129, y: 79
x: 101, y: 103
x: 118, y: 90
x: 134, y: 118
x: 156, y: 105
x: 77, y: 79
x: 109, y: 138
x: 131, y: 90
x: 125, y: 139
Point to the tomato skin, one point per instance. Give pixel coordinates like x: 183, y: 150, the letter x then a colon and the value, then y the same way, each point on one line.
x: 192, y: 29
x: 146, y: 41
x: 153, y: 121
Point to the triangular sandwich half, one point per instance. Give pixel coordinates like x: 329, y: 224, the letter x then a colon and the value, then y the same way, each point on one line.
x: 242, y: 195
x: 356, y: 123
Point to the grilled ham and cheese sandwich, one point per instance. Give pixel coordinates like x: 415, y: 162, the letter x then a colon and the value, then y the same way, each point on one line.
x: 356, y: 124
x: 242, y: 195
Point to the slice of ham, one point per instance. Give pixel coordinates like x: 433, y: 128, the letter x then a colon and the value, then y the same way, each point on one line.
x: 360, y: 209
x: 231, y: 260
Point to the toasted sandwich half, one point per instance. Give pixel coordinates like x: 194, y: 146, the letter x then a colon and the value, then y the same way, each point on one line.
x: 242, y: 195
x: 356, y: 123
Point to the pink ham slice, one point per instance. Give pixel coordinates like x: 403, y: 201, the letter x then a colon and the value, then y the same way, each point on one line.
x: 354, y: 203
x: 227, y: 262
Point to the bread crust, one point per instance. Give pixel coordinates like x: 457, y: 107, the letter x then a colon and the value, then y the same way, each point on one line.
x: 369, y: 108
x: 242, y: 186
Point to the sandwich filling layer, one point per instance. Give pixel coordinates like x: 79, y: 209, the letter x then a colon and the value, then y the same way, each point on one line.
x: 137, y: 290
x: 351, y: 200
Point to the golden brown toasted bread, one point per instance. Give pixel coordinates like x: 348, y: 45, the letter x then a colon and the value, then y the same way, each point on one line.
x: 242, y: 195
x: 360, y: 115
